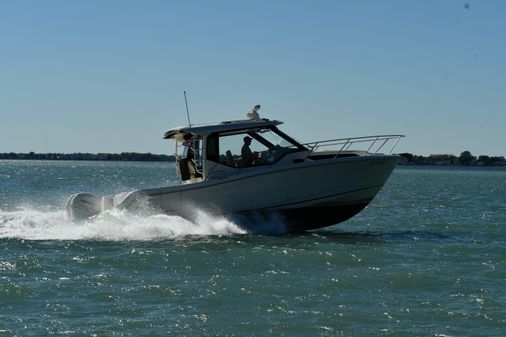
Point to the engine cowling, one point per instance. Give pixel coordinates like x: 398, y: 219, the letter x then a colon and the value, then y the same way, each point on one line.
x: 82, y: 206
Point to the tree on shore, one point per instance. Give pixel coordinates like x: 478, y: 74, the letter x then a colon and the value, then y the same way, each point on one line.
x: 466, y: 158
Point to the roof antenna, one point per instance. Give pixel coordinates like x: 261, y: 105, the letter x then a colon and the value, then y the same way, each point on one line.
x: 187, y: 111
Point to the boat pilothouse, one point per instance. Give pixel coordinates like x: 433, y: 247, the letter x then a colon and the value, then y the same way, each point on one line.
x: 253, y: 169
x: 209, y: 152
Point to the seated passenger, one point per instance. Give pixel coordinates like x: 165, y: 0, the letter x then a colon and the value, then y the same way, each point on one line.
x: 229, y: 159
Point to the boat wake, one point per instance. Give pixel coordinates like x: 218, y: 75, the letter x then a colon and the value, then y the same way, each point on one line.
x: 114, y: 225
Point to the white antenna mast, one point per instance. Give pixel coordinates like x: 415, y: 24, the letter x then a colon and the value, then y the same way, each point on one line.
x: 187, y: 111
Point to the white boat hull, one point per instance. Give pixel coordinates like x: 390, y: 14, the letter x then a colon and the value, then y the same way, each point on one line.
x: 306, y: 186
x: 307, y: 196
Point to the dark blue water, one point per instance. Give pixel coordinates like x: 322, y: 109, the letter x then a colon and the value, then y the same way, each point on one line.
x: 426, y: 258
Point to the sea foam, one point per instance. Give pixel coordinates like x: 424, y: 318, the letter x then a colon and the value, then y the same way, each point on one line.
x: 115, y: 225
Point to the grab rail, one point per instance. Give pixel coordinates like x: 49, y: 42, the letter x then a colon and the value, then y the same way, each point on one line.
x: 345, y: 144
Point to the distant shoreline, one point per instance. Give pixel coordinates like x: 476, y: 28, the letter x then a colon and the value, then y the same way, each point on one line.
x: 124, y: 156
x: 465, y: 158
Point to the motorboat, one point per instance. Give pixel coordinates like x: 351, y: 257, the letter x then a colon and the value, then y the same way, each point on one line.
x: 251, y: 171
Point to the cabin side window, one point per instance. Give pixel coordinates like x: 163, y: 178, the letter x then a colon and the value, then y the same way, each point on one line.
x: 252, y: 147
x: 242, y: 150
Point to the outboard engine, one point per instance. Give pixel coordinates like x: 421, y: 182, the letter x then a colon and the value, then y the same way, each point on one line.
x: 82, y: 206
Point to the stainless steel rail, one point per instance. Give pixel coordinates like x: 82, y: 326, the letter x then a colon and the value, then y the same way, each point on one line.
x: 373, y: 143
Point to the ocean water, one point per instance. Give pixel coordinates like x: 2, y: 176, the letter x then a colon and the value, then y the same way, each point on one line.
x: 426, y: 258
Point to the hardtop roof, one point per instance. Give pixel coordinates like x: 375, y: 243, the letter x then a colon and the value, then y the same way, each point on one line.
x: 204, y: 130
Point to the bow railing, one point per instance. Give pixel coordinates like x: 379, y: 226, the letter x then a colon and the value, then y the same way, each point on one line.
x: 371, y: 144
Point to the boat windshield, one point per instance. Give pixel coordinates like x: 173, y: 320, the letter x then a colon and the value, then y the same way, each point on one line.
x: 254, y: 147
x: 275, y: 139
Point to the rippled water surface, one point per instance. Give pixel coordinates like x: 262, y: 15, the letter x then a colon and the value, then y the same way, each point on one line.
x: 426, y: 258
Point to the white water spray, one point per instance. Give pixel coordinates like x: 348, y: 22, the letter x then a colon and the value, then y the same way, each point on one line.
x: 114, y: 225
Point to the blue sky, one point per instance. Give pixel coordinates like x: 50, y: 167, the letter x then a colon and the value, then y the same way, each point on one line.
x: 109, y: 76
